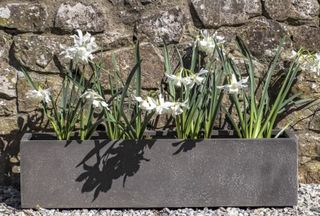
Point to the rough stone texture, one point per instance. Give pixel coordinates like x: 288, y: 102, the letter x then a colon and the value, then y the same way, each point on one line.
x: 306, y: 10
x: 26, y: 105
x: 24, y: 16
x: 8, y: 80
x: 262, y: 36
x: 129, y: 16
x: 277, y: 9
x: 87, y: 17
x: 167, y: 26
x: 309, y: 145
x: 305, y: 37
x: 226, y: 12
x: 124, y: 2
x: 152, y: 64
x: 147, y: 1
x: 131, y: 2
x: 117, y: 38
x: 311, y: 171
x: 294, y: 11
x: 36, y: 52
x: 32, y: 32
x: 130, y: 11
x: 5, y: 44
x: 8, y: 124
x: 314, y: 123
x: 8, y: 107
x: 308, y: 83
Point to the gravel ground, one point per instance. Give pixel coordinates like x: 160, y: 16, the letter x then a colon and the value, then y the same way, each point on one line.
x: 309, y: 205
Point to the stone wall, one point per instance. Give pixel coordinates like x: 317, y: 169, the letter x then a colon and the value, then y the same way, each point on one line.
x: 32, y: 32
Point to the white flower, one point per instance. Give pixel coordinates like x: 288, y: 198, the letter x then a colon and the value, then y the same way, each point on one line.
x: 293, y: 54
x: 148, y: 104
x: 195, y: 79
x: 97, y: 104
x: 160, y: 106
x: 177, y: 108
x: 95, y: 99
x: 208, y: 43
x: 41, y: 95
x: 189, y: 81
x: 84, y: 46
x: 235, y: 86
x: 177, y: 80
x: 315, y: 66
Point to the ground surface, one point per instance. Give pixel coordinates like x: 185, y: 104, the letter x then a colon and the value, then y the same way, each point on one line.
x: 308, y: 205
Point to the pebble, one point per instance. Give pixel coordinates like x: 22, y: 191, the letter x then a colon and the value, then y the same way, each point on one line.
x: 308, y: 205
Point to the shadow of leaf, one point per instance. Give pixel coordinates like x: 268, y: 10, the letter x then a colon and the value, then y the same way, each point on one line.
x: 120, y: 159
x: 184, y: 146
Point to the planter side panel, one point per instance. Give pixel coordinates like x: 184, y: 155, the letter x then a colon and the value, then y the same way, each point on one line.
x: 161, y: 173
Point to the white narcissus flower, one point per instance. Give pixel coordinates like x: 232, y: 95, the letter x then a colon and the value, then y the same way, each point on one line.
x: 97, y: 104
x: 95, y: 99
x: 208, y: 43
x: 41, y: 95
x: 235, y: 86
x: 195, y: 79
x: 177, y: 80
x: 147, y: 105
x: 160, y: 106
x: 189, y: 81
x: 178, y: 107
x: 84, y: 46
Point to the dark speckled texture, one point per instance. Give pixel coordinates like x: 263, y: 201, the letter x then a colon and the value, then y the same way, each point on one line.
x: 159, y: 173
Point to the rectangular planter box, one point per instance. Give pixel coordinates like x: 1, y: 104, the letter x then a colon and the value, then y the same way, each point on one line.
x: 158, y: 173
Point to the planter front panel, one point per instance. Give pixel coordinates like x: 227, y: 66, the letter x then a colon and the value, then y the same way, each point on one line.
x: 158, y: 173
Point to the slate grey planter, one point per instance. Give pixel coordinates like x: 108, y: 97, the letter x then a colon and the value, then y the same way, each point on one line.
x: 158, y: 173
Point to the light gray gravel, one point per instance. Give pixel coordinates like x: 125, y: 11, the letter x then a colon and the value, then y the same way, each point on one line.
x: 308, y: 205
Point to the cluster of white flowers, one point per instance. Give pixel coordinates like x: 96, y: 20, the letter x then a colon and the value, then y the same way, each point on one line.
x: 188, y: 81
x: 160, y: 106
x: 235, y: 85
x: 84, y: 46
x: 197, y: 79
x: 40, y: 95
x: 81, y: 52
x: 208, y: 43
x: 307, y: 62
x: 95, y: 99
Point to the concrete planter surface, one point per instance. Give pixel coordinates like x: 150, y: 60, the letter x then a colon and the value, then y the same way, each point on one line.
x: 158, y: 173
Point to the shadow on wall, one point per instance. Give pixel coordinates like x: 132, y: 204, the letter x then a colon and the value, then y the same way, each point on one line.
x: 10, y: 147
x: 121, y: 159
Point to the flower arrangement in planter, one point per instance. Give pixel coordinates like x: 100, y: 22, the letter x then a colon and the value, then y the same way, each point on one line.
x: 130, y: 164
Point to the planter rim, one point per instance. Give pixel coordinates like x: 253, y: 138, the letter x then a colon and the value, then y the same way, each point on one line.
x: 288, y: 134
